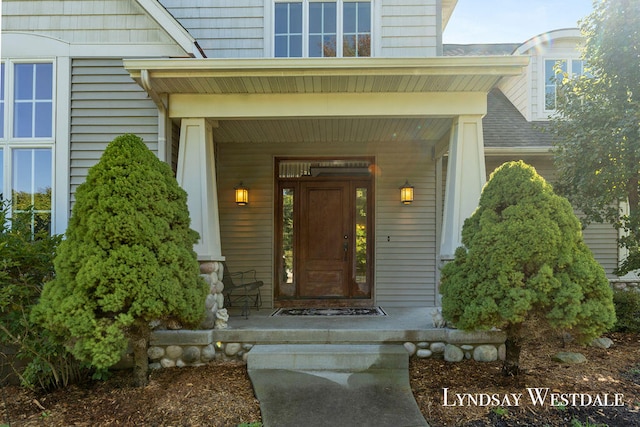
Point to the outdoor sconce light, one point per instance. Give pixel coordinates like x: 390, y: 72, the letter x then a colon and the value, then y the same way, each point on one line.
x: 406, y: 193
x: 242, y: 195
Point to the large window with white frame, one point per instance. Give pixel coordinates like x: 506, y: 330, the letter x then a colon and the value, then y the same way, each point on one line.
x: 572, y: 67
x: 309, y: 28
x: 27, y: 138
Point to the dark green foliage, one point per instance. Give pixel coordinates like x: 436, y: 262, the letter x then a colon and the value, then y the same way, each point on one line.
x: 596, y: 128
x: 627, y: 305
x: 26, y: 262
x: 127, y: 258
x: 524, y: 256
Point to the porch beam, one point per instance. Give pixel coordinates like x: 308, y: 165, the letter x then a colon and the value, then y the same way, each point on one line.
x: 466, y: 176
x: 327, y: 105
x: 197, y: 176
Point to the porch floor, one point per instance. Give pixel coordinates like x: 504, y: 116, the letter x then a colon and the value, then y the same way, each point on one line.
x: 400, y: 325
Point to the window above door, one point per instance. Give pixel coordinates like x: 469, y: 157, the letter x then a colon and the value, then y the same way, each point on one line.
x: 308, y: 28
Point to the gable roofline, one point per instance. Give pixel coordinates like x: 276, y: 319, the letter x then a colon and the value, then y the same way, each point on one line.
x: 176, y: 31
x: 548, y: 37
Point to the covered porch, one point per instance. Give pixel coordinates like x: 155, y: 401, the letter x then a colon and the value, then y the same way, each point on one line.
x: 418, y: 120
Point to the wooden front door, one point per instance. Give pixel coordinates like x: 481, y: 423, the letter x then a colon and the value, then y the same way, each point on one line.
x: 325, y: 240
x: 325, y: 236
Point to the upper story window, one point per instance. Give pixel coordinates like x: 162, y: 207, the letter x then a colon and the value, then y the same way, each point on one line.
x: 573, y: 67
x: 26, y: 138
x: 310, y: 28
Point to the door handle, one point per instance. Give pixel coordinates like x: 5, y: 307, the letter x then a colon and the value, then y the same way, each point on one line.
x: 345, y: 246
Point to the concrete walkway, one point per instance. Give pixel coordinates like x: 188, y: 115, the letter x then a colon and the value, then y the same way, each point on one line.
x: 333, y: 385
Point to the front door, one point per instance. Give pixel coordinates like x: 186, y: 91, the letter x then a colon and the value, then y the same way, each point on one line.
x: 325, y: 235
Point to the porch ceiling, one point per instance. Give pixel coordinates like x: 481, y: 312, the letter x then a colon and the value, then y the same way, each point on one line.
x: 324, y: 99
x: 332, y: 130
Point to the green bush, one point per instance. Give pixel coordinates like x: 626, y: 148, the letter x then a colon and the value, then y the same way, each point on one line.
x: 524, y: 258
x: 26, y: 262
x: 127, y: 260
x: 627, y: 305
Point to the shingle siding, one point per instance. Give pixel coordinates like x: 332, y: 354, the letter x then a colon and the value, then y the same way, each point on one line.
x: 224, y: 28
x: 84, y: 21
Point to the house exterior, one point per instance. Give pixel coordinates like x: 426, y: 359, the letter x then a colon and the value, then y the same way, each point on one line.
x: 321, y: 110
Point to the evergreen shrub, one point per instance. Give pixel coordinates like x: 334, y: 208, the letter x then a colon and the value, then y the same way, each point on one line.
x: 127, y: 260
x: 627, y: 303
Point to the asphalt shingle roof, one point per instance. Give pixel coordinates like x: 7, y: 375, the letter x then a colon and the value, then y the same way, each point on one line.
x: 505, y: 127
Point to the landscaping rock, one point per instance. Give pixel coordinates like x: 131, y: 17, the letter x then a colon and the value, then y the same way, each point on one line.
x: 410, y: 347
x: 423, y: 353
x: 437, y: 347
x: 453, y: 353
x: 191, y: 354
x: 569, y: 357
x: 602, y: 342
x: 485, y: 353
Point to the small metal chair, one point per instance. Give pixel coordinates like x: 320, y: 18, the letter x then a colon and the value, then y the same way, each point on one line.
x: 242, y: 286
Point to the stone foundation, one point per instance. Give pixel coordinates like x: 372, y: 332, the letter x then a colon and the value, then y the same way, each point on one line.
x: 626, y: 285
x: 216, y: 315
x: 196, y: 347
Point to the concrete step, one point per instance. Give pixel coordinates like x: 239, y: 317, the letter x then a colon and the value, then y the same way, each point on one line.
x: 328, y: 357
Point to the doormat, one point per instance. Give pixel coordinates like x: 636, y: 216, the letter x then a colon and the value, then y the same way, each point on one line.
x: 337, y: 311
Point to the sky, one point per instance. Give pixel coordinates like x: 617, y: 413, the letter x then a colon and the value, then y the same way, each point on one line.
x: 511, y: 21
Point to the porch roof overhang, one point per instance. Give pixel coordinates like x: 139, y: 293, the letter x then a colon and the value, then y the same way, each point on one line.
x: 338, y: 93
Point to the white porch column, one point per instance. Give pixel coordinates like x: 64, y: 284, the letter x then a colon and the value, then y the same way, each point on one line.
x: 197, y: 176
x: 466, y: 175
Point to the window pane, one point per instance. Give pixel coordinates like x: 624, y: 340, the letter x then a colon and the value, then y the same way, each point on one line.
x: 364, y: 17
x: 329, y: 24
x: 287, y: 286
x: 33, y: 104
x: 31, y: 185
x: 1, y: 174
x: 550, y: 98
x: 349, y: 18
x: 44, y: 81
x: 288, y: 30
x: 357, y: 29
x: 322, y: 29
x: 315, y: 46
x: 295, y: 50
x: 295, y: 19
x: 576, y: 67
x: 315, y: 17
x: 22, y: 120
x: 282, y: 18
x: 23, y: 81
x: 361, y: 241
x: 44, y: 116
x: 42, y: 179
x: 281, y: 48
x: 1, y: 105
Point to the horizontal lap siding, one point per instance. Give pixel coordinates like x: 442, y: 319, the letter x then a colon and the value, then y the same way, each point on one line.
x: 404, y: 264
x: 105, y: 103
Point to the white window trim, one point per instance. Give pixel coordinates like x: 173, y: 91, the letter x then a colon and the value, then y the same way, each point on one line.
x: 269, y: 27
x: 31, y: 48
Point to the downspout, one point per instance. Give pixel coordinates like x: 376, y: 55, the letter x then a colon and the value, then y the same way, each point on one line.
x: 161, y: 103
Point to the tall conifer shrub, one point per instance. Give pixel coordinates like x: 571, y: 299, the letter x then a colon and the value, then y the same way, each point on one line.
x: 524, y: 257
x: 127, y: 259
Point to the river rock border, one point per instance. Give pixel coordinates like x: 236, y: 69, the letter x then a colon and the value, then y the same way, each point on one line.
x: 180, y: 348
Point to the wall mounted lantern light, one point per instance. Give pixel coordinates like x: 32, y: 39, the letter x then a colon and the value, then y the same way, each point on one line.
x: 406, y: 193
x: 242, y: 195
